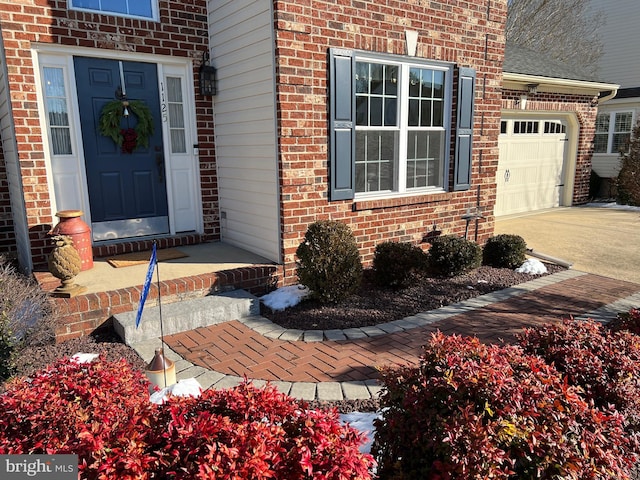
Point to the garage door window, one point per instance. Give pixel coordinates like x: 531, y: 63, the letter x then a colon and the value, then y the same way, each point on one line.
x: 522, y: 127
x: 613, y: 132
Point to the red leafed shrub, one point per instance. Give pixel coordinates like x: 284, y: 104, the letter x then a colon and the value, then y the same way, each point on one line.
x: 604, y: 363
x: 629, y: 321
x: 251, y: 433
x: 99, y: 411
x: 472, y: 411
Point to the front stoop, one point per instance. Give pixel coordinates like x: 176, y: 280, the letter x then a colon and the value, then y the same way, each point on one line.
x: 185, y: 315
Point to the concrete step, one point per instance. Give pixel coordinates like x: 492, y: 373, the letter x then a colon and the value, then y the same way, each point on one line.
x: 185, y: 315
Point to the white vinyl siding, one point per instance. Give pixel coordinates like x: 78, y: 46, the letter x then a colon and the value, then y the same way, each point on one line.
x: 245, y: 127
x: 620, y: 37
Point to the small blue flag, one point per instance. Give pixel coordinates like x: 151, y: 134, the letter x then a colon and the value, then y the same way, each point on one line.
x: 147, y: 284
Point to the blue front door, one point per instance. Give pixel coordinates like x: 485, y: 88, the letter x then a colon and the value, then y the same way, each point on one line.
x: 127, y: 191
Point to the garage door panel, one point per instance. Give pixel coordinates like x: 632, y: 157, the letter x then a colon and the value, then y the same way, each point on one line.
x: 530, y: 171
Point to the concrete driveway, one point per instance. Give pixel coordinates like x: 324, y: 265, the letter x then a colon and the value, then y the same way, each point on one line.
x: 600, y: 240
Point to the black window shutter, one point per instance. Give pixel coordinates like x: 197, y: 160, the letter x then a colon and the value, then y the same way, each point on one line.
x: 342, y: 130
x: 464, y: 129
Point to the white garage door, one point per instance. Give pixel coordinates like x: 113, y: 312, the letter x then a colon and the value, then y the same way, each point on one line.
x: 530, y: 166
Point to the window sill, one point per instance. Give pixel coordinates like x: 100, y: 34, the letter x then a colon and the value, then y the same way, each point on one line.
x: 373, y: 204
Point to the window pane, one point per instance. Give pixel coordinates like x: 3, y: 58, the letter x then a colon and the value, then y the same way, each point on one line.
x: 53, y: 82
x: 414, y: 82
x: 118, y: 6
x: 176, y: 115
x: 390, y: 109
x: 414, y: 113
x: 376, y: 153
x: 602, y: 123
x: 623, y: 122
x: 620, y: 142
x: 61, y: 141
x: 141, y: 8
x: 174, y: 89
x: 391, y: 80
x: 362, y: 110
x: 376, y: 112
x: 600, y: 142
x: 438, y: 84
x: 375, y: 82
x: 438, y: 113
x: 425, y: 157
x: 425, y: 114
x: 57, y: 111
x: 92, y: 4
x: 57, y: 108
x: 362, y: 77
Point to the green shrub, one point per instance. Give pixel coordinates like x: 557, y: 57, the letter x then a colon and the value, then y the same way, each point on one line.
x: 395, y: 262
x: 472, y: 411
x: 329, y: 262
x: 26, y: 316
x: 505, y: 251
x: 451, y: 255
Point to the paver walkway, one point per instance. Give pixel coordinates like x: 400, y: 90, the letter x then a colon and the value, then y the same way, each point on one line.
x: 335, y: 369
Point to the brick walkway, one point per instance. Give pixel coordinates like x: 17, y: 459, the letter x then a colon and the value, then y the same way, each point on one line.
x: 234, y: 349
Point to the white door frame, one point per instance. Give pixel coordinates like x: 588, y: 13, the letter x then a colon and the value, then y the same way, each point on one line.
x: 66, y: 175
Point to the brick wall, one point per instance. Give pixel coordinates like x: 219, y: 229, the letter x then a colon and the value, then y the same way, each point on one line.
x: 181, y: 32
x: 468, y: 33
x: 581, y: 106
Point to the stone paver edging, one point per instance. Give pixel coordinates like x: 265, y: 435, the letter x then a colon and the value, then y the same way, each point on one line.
x: 356, y: 390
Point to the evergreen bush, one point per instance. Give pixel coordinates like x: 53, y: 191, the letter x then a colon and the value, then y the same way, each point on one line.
x: 329, y: 262
x: 451, y: 255
x: 394, y: 263
x: 505, y: 251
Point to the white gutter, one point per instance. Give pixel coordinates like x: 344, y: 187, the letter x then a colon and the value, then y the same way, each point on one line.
x: 612, y: 94
x: 561, y: 82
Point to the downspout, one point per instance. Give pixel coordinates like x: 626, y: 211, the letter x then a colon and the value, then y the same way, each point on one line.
x: 608, y: 96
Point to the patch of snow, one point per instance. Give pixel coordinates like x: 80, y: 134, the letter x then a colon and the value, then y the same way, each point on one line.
x: 285, y: 297
x: 189, y: 387
x: 613, y: 205
x: 363, y: 422
x: 532, y: 266
x: 84, y: 357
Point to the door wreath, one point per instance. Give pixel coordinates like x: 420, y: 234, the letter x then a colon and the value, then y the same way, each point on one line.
x: 128, y: 139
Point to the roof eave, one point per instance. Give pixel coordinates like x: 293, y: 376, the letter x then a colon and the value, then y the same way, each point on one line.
x: 524, y: 79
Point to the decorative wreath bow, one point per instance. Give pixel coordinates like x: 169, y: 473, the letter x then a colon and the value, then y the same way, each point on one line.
x: 127, y: 138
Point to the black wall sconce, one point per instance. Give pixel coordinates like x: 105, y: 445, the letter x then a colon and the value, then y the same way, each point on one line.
x: 207, y: 77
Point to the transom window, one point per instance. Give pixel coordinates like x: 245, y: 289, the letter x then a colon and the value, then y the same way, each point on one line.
x: 133, y: 8
x: 613, y: 132
x: 402, y: 123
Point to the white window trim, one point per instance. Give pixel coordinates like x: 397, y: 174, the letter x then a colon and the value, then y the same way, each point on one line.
x: 612, y: 120
x: 404, y: 65
x: 155, y: 15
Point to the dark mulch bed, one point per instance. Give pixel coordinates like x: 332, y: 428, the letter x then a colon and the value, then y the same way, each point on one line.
x: 371, y: 305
